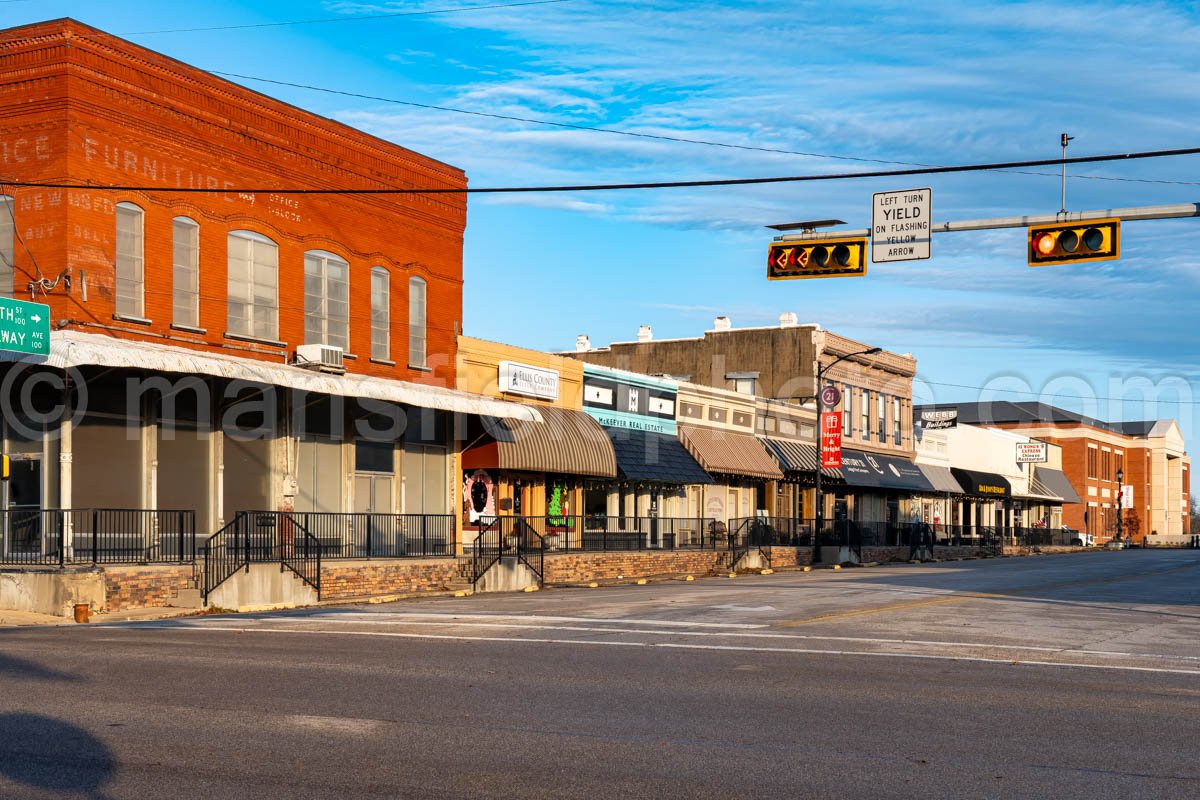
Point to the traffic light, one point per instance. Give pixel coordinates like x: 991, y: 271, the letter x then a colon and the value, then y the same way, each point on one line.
x: 1074, y: 242
x: 820, y: 258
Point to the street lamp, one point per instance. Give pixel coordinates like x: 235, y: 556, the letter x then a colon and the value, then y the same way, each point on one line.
x: 1120, y: 503
x: 816, y: 554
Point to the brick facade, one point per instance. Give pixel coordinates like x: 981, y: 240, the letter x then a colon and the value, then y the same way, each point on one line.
x: 80, y: 106
x: 374, y: 578
x: 144, y: 587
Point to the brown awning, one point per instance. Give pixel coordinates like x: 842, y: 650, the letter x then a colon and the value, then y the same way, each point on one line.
x: 566, y: 442
x: 729, y: 453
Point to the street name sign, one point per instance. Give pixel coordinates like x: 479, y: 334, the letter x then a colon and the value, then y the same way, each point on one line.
x: 831, y: 440
x: 901, y: 224
x: 24, y: 327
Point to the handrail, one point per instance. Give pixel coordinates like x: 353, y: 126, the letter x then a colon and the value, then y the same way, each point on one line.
x: 486, y: 550
x: 531, y: 550
x: 221, y: 561
x: 302, y: 557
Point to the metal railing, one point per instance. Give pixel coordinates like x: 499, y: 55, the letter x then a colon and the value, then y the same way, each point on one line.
x: 97, y: 536
x: 371, y: 535
x: 486, y: 550
x: 596, y: 533
x: 130, y: 535
x: 261, y: 537
x: 782, y: 531
x: 31, y: 536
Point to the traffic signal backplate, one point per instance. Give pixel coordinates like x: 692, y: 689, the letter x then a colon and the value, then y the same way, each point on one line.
x: 820, y: 258
x: 1074, y: 242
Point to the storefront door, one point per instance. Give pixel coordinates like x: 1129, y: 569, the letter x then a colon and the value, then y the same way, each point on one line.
x: 23, y: 520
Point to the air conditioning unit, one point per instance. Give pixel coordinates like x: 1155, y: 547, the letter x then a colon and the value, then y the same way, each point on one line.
x: 322, y: 357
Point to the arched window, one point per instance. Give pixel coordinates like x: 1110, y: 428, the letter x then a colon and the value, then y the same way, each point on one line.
x: 253, y: 285
x: 7, y: 254
x: 326, y: 299
x: 131, y: 284
x: 416, y: 322
x: 186, y: 272
x: 381, y: 314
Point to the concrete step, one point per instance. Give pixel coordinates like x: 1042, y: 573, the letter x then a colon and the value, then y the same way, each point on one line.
x: 186, y: 598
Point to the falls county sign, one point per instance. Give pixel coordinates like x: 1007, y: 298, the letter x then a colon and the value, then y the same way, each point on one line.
x: 24, y: 327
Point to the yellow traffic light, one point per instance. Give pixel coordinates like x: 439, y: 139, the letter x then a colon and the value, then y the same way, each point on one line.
x: 822, y: 258
x: 1074, y: 242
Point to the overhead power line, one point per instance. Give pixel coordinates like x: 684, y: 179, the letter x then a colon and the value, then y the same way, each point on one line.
x: 324, y: 20
x: 607, y: 187
x: 654, y: 136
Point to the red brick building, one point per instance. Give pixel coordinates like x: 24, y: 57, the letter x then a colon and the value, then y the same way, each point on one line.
x: 83, y: 107
x: 323, y: 324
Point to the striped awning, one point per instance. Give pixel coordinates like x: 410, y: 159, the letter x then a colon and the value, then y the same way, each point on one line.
x: 565, y: 442
x: 941, y: 478
x: 797, y: 457
x: 1055, y: 483
x: 729, y: 453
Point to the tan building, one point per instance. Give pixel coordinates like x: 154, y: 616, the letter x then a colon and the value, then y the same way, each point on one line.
x: 527, y: 469
x: 781, y: 363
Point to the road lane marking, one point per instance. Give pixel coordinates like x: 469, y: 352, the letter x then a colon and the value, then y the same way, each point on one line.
x: 669, y: 645
x: 531, y: 617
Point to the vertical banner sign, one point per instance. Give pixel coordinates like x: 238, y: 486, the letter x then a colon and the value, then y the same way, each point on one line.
x: 1127, y: 496
x: 831, y: 440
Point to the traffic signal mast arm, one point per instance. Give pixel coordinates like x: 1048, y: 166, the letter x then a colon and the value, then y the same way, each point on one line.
x: 1174, y: 211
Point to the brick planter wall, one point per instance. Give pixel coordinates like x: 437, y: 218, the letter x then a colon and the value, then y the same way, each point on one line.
x: 345, y: 579
x: 1048, y: 548
x: 578, y: 567
x: 789, y: 556
x: 128, y: 587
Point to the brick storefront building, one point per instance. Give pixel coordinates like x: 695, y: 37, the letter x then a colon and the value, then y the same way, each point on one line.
x: 234, y: 348
x: 1150, y: 454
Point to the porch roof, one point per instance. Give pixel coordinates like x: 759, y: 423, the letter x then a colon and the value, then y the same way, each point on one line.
x: 77, y: 349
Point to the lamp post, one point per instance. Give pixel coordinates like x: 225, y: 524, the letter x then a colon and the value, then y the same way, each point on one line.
x: 821, y: 370
x: 1120, y: 503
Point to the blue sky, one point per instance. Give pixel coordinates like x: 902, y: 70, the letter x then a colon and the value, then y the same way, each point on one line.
x: 938, y: 83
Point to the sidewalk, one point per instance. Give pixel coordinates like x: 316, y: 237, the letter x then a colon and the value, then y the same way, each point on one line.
x: 17, y: 619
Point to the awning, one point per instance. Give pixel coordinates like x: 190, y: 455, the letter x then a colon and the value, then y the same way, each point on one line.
x: 729, y: 453
x: 1056, y: 482
x: 565, y: 442
x: 883, y: 472
x: 797, y: 457
x: 982, y: 484
x: 941, y: 478
x: 646, y: 456
x: 75, y: 349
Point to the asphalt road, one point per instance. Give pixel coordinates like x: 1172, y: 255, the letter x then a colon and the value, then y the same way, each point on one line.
x: 1048, y: 677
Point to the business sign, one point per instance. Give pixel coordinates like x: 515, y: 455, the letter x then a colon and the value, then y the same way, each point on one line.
x: 1126, y: 496
x: 901, y: 225
x: 1033, y: 452
x: 831, y: 440
x: 932, y: 420
x: 875, y: 470
x: 623, y: 400
x: 24, y: 327
x: 529, y: 381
